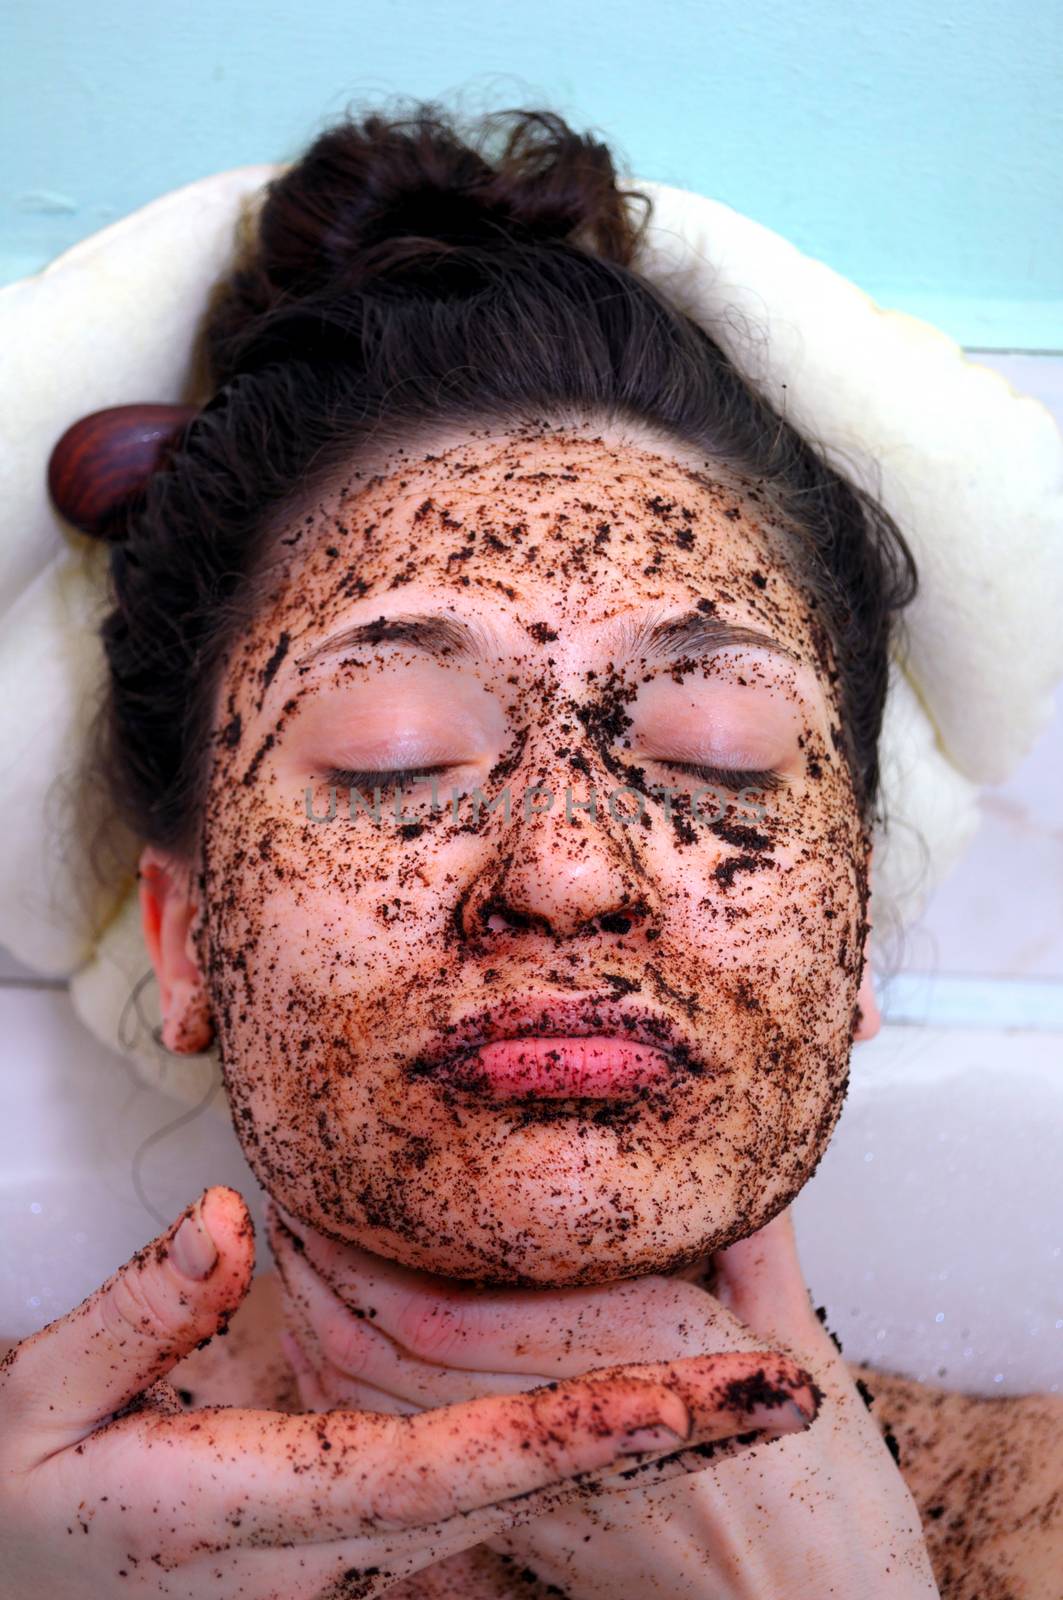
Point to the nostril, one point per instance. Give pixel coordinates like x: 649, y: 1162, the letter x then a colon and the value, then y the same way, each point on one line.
x: 623, y: 920
x: 496, y: 916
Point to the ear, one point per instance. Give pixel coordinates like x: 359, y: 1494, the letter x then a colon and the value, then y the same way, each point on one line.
x: 870, y: 1015
x: 168, y: 912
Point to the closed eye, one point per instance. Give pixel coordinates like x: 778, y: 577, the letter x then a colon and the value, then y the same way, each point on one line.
x: 735, y: 778
x: 382, y: 778
x: 388, y: 778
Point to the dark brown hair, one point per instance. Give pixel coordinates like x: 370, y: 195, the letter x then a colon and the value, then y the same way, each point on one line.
x: 404, y: 275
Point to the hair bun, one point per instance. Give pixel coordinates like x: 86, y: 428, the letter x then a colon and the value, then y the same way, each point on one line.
x: 415, y: 201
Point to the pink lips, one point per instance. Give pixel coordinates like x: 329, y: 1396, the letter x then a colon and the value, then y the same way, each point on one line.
x: 594, y: 1066
x: 559, y: 1047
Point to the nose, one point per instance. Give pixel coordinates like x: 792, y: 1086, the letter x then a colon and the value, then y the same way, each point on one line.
x: 564, y: 871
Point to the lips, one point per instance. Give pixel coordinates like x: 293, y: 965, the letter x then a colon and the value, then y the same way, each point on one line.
x: 559, y: 1047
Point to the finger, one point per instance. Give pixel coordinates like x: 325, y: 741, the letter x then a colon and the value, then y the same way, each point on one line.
x: 370, y: 1565
x: 308, y: 1379
x: 175, y: 1293
x: 236, y: 1477
x: 549, y: 1332
x: 323, y: 1388
x: 335, y: 1337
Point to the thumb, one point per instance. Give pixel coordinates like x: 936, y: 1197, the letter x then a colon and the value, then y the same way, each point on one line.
x: 173, y: 1295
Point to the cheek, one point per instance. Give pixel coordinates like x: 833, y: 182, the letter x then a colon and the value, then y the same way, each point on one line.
x: 772, y: 891
x: 776, y: 924
x: 318, y: 935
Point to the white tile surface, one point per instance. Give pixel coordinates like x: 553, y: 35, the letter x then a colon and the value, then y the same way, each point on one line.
x: 93, y: 1163
x: 933, y: 1229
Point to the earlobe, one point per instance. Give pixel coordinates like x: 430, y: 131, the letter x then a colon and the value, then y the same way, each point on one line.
x: 870, y: 1016
x: 167, y: 916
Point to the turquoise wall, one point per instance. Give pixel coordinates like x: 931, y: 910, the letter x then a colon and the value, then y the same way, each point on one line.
x: 918, y: 149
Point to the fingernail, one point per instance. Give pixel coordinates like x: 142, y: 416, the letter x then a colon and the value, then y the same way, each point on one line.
x: 642, y: 1439
x: 786, y: 1417
x: 192, y: 1249
x: 674, y: 1414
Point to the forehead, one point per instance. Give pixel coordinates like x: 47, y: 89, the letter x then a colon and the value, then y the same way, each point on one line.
x: 564, y: 522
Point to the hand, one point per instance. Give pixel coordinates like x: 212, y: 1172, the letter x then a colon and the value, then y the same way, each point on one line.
x: 107, y: 1486
x: 822, y: 1512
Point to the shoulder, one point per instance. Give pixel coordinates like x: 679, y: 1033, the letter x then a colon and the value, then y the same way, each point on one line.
x: 987, y: 1476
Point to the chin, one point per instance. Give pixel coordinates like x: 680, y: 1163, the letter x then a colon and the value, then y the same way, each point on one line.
x: 567, y: 1265
x: 542, y: 1211
x: 559, y: 1249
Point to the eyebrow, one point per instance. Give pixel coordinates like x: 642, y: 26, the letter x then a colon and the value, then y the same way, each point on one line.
x: 628, y: 637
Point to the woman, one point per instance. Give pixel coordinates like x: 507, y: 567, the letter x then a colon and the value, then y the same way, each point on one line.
x: 477, y: 511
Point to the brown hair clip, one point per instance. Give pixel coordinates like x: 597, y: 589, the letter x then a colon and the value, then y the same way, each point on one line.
x: 105, y: 458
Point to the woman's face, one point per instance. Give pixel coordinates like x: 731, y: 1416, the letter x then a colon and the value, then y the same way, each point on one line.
x: 343, y: 958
